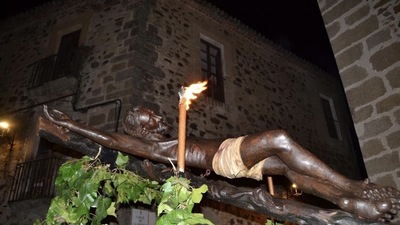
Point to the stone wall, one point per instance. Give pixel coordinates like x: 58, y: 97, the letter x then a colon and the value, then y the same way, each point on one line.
x: 365, y: 38
x: 266, y: 87
x: 141, y: 53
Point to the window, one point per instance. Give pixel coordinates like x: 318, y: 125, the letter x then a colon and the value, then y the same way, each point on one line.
x: 63, y: 64
x: 34, y: 179
x: 66, y: 52
x: 211, y: 67
x: 331, y: 118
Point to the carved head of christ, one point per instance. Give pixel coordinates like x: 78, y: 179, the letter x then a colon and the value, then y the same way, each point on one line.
x: 144, y: 123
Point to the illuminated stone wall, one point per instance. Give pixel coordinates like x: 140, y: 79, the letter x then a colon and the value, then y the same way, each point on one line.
x: 365, y: 38
x: 141, y: 52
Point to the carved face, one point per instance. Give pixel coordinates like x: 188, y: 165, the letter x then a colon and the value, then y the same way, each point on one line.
x: 144, y: 123
x: 148, y: 119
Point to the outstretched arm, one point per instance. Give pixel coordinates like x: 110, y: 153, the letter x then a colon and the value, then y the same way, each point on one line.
x: 154, y: 150
x: 65, y: 121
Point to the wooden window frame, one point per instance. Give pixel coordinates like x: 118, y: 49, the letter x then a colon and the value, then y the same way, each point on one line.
x: 212, y: 70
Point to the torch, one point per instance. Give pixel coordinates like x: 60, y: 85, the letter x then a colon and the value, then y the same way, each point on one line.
x: 186, y: 94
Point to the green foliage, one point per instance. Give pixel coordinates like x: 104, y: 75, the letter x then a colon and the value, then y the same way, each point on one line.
x: 177, y: 203
x: 272, y: 222
x: 89, y: 191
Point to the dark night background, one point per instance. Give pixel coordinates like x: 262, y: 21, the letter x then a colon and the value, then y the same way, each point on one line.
x: 296, y: 25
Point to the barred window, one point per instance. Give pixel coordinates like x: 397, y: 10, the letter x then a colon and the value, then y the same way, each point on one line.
x: 211, y: 67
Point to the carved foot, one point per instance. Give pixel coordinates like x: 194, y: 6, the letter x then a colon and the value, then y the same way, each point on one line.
x: 373, y: 202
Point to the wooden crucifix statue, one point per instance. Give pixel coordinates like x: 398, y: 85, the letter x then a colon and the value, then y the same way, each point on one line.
x: 271, y: 152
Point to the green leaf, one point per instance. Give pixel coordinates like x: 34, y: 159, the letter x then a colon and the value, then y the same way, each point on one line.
x: 121, y: 160
x: 37, y: 222
x: 88, y: 193
x: 269, y: 222
x: 197, y: 194
x: 183, y: 194
x: 101, y: 174
x: 111, y: 210
x: 118, y: 179
x: 82, y: 211
x: 102, y: 206
x: 197, y: 218
x: 87, y: 184
x: 163, y: 208
x: 108, y: 189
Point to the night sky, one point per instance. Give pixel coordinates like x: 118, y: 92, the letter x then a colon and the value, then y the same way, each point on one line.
x: 296, y: 25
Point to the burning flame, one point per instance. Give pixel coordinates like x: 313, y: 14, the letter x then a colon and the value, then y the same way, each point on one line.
x: 187, y: 94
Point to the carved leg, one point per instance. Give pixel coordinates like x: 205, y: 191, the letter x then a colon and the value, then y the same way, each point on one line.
x: 278, y: 143
x: 368, y: 200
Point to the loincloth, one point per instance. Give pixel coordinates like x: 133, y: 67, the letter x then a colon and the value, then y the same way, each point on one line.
x: 227, y: 161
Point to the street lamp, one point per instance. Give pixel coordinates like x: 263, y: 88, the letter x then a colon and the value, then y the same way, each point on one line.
x: 4, y: 128
x: 5, y: 133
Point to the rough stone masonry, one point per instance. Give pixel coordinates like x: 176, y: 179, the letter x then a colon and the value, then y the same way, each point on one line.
x: 365, y: 38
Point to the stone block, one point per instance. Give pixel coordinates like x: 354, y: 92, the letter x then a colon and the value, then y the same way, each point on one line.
x: 124, y: 75
x: 349, y: 56
x: 396, y: 8
x: 326, y: 4
x: 377, y: 126
x: 60, y: 87
x: 378, y: 38
x: 380, y: 3
x: 118, y: 94
x: 393, y: 140
x: 355, y: 34
x: 357, y: 15
x: 333, y: 29
x: 388, y: 103
x: 122, y: 35
x: 118, y: 67
x: 108, y: 79
x: 393, y: 77
x: 386, y: 163
x: 339, y: 10
x: 111, y: 88
x: 97, y: 119
x: 386, y: 57
x: 122, y: 57
x: 386, y: 180
x: 372, y: 147
x: 363, y: 113
x: 95, y: 100
x: 366, y: 92
x: 353, y: 75
x: 97, y: 91
x: 396, y: 115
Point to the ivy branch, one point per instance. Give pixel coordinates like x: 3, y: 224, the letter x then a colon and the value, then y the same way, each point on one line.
x: 89, y: 191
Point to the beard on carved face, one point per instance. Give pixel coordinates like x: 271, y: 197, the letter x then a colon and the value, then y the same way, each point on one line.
x: 143, y: 123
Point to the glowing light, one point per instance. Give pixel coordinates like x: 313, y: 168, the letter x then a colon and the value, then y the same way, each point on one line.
x: 4, y: 125
x: 187, y: 94
x: 4, y: 128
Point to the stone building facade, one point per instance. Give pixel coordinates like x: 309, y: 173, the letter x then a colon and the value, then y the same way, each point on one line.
x: 365, y: 38
x: 96, y: 59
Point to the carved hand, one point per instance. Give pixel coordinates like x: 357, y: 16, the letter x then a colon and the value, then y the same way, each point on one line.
x: 57, y: 117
